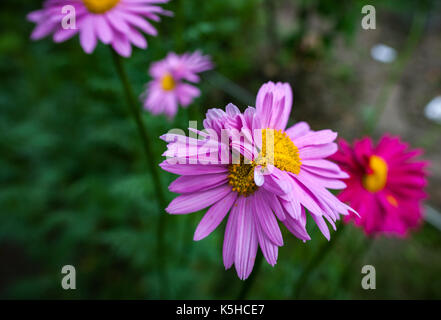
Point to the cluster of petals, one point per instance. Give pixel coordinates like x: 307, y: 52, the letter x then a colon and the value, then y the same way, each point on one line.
x: 114, y: 22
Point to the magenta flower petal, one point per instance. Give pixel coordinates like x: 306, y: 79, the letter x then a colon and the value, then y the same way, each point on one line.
x: 192, y: 169
x: 246, y: 240
x: 267, y: 220
x: 88, y: 38
x: 103, y: 30
x: 187, y: 184
x: 318, y: 152
x: 298, y: 130
x: 274, y: 202
x: 321, y: 223
x: 274, y: 103
x: 229, y: 245
x: 189, y: 203
x: 297, y: 226
x: 269, y: 249
x: 315, y: 138
x: 214, y: 216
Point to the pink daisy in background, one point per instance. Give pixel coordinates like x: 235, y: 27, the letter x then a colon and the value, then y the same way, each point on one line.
x: 168, y: 88
x: 386, y: 184
x: 263, y: 187
x: 114, y: 22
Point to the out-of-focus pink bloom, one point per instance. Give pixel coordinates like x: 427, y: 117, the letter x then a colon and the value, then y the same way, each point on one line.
x: 114, y: 22
x: 386, y: 185
x: 263, y: 186
x: 168, y: 88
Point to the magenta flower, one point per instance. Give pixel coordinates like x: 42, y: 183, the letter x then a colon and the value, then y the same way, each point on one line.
x: 269, y: 182
x: 385, y: 186
x: 167, y: 89
x: 113, y: 22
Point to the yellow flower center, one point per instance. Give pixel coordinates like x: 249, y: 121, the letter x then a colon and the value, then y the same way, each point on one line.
x: 167, y: 82
x: 282, y: 154
x: 241, y: 178
x: 100, y: 6
x: 376, y: 180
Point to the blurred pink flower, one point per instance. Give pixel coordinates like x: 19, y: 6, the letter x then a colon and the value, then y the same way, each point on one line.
x: 386, y: 184
x: 113, y: 22
x: 259, y: 192
x: 167, y: 89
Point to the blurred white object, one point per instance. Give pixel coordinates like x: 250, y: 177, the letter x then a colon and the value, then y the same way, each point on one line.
x: 433, y: 217
x: 433, y: 110
x: 383, y: 53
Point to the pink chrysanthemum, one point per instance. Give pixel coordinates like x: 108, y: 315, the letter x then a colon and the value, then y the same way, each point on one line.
x: 167, y: 89
x: 385, y: 186
x: 113, y: 22
x: 263, y: 186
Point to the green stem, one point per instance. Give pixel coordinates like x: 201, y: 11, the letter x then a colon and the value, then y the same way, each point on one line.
x: 355, y: 258
x: 246, y: 286
x: 315, y: 262
x: 153, y: 167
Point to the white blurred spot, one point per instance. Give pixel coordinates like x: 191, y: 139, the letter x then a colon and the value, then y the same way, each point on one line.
x: 259, y: 179
x: 433, y: 110
x: 383, y: 53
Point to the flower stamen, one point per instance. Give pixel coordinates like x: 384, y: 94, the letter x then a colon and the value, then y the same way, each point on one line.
x: 167, y: 82
x: 278, y: 150
x: 376, y: 179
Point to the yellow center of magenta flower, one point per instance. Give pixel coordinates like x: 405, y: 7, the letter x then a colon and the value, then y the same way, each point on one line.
x: 376, y: 180
x: 100, y: 6
x: 282, y: 154
x: 167, y: 82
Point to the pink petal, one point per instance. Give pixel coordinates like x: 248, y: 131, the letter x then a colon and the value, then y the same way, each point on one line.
x: 189, y: 184
x: 214, y: 216
x: 298, y: 130
x: 193, y: 202
x: 269, y: 249
x: 88, y: 38
x: 192, y: 169
x: 266, y: 219
x: 230, y: 238
x: 246, y: 241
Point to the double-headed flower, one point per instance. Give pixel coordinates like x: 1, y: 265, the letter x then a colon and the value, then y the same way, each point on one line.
x: 249, y: 167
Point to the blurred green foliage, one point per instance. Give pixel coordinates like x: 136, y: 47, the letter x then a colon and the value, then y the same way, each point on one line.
x: 74, y: 187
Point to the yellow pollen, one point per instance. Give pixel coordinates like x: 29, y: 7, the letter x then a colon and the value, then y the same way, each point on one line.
x: 376, y: 180
x: 282, y: 154
x: 167, y: 82
x: 392, y: 200
x: 241, y: 178
x: 100, y: 6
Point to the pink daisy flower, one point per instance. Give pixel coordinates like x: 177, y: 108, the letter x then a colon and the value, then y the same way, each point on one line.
x: 167, y: 90
x: 113, y: 22
x: 262, y: 187
x: 386, y: 185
